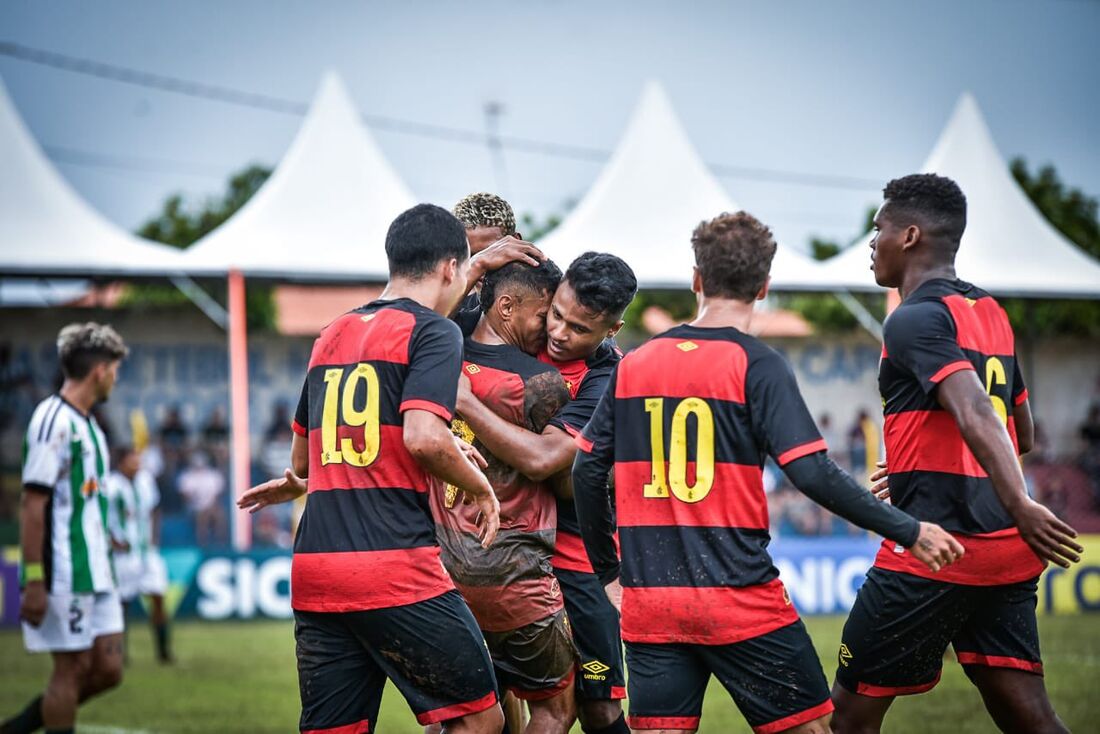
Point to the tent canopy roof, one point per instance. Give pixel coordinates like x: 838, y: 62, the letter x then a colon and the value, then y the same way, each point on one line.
x: 47, y: 229
x: 1008, y: 248
x: 647, y: 200
x: 323, y: 214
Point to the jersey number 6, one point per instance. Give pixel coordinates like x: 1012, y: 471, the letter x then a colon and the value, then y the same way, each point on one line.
x: 342, y: 404
x: 658, y: 487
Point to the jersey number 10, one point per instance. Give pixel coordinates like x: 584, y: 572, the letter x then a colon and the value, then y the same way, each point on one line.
x: 676, y: 476
x: 342, y: 403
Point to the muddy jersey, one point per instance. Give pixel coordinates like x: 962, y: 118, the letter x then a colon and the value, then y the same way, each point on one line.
x: 943, y: 327
x: 511, y: 583
x: 367, y: 539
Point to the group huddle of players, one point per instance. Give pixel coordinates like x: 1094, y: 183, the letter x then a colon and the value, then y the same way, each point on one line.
x: 498, y: 499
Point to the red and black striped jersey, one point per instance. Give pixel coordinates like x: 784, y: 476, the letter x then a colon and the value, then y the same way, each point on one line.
x: 367, y: 538
x: 587, y: 381
x: 943, y: 327
x: 510, y: 584
x: 689, y: 418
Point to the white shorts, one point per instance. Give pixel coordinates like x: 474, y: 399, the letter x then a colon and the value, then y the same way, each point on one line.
x: 74, y: 621
x: 137, y: 578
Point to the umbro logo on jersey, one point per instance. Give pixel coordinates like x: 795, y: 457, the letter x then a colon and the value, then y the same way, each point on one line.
x: 368, y: 317
x: 687, y: 346
x: 845, y: 655
x: 473, y: 369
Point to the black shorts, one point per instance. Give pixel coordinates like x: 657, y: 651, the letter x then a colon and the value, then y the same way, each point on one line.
x: 600, y: 672
x: 775, y: 680
x: 537, y: 660
x: 432, y: 651
x: 895, y: 638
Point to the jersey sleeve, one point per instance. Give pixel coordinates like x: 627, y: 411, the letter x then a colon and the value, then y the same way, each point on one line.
x: 591, y: 492
x: 921, y: 339
x: 777, y: 411
x: 574, y: 415
x: 300, y: 424
x: 468, y: 314
x: 44, y: 454
x: 1019, y: 387
x: 435, y: 362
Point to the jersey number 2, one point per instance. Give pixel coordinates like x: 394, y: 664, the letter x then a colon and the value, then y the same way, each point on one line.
x: 676, y: 476
x: 342, y: 403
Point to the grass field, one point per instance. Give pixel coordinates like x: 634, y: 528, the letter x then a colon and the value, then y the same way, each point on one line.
x: 240, y: 677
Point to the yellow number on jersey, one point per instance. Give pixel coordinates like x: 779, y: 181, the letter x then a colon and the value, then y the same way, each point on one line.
x: 995, y: 375
x: 366, y: 416
x: 676, y: 476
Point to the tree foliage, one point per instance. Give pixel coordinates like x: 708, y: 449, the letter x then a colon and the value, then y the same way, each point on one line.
x: 178, y: 226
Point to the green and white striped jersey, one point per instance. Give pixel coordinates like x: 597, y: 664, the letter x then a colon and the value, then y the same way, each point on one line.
x: 65, y: 455
x: 130, y: 518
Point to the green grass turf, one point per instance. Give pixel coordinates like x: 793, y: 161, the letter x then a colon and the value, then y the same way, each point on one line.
x: 240, y: 677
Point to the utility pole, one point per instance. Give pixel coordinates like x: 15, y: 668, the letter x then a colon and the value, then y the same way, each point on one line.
x: 493, y: 111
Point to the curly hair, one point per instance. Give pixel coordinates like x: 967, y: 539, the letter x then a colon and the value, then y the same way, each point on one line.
x: 486, y: 210
x: 516, y: 277
x: 733, y: 253
x: 935, y: 202
x: 603, y: 283
x: 81, y: 346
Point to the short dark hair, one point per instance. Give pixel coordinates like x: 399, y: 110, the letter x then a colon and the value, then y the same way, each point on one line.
x: 603, y: 282
x: 515, y: 276
x: 421, y: 237
x: 80, y: 347
x: 486, y: 210
x: 935, y: 202
x: 119, y: 453
x: 733, y: 253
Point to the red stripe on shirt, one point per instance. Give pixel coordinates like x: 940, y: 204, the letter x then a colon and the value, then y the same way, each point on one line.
x: 990, y: 560
x: 790, y: 722
x: 950, y: 369
x: 583, y: 443
x: 736, y: 498
x: 799, y: 451
x: 570, y: 554
x: 298, y: 428
x: 928, y: 441
x: 1021, y: 398
x: 354, y: 337
x: 504, y: 608
x: 704, y: 615
x: 999, y: 661
x: 393, y: 467
x: 356, y: 581
x: 981, y: 325
x: 690, y: 373
x: 434, y: 408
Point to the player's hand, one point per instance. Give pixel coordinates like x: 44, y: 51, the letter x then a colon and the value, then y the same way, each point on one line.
x: 34, y: 604
x: 120, y: 546
x: 472, y: 455
x: 465, y: 394
x: 614, y: 592
x: 935, y: 547
x: 1050, y: 538
x: 880, y: 482
x: 488, y: 519
x: 276, y: 491
x: 503, y: 251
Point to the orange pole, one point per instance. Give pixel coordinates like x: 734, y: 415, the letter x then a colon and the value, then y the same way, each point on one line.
x: 238, y: 401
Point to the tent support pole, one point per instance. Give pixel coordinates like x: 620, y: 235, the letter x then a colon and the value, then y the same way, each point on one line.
x: 201, y: 299
x: 865, y: 318
x: 238, y: 399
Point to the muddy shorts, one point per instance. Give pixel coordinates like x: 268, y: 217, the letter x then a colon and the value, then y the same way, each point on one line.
x: 536, y: 661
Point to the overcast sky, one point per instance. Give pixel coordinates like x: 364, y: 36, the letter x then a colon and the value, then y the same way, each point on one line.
x: 857, y: 89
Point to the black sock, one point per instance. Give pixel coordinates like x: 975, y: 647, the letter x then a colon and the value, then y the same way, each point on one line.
x: 161, y: 631
x: 618, y: 726
x: 28, y: 720
x: 60, y: 731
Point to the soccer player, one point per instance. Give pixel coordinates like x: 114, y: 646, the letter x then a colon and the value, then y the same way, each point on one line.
x: 687, y: 421
x: 70, y: 607
x: 510, y: 585
x: 584, y: 317
x: 956, y: 413
x: 135, y: 523
x: 371, y: 599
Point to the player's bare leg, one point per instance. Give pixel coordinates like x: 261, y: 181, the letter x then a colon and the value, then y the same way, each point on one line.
x: 489, y: 721
x: 70, y: 671
x: 856, y: 714
x: 597, y: 715
x: 105, y: 668
x: 514, y: 713
x: 159, y: 619
x: 553, y: 715
x: 1016, y: 699
x: 817, y: 726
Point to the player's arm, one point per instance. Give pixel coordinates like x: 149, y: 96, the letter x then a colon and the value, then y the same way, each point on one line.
x: 962, y: 395
x: 292, y: 484
x: 32, y: 533
x: 500, y: 253
x: 780, y: 415
x: 429, y: 440
x: 592, y: 492
x: 1025, y: 427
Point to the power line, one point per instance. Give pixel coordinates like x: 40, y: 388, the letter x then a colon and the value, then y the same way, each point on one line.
x: 242, y: 98
x: 76, y: 157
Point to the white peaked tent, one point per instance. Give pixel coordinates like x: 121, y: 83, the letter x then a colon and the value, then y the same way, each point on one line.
x: 47, y: 229
x: 324, y: 212
x: 648, y: 199
x: 1008, y: 248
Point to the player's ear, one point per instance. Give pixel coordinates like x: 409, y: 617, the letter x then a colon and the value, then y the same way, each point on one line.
x: 912, y: 236
x: 505, y: 306
x: 696, y: 280
x: 450, y: 270
x: 615, y: 329
x: 764, y: 289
